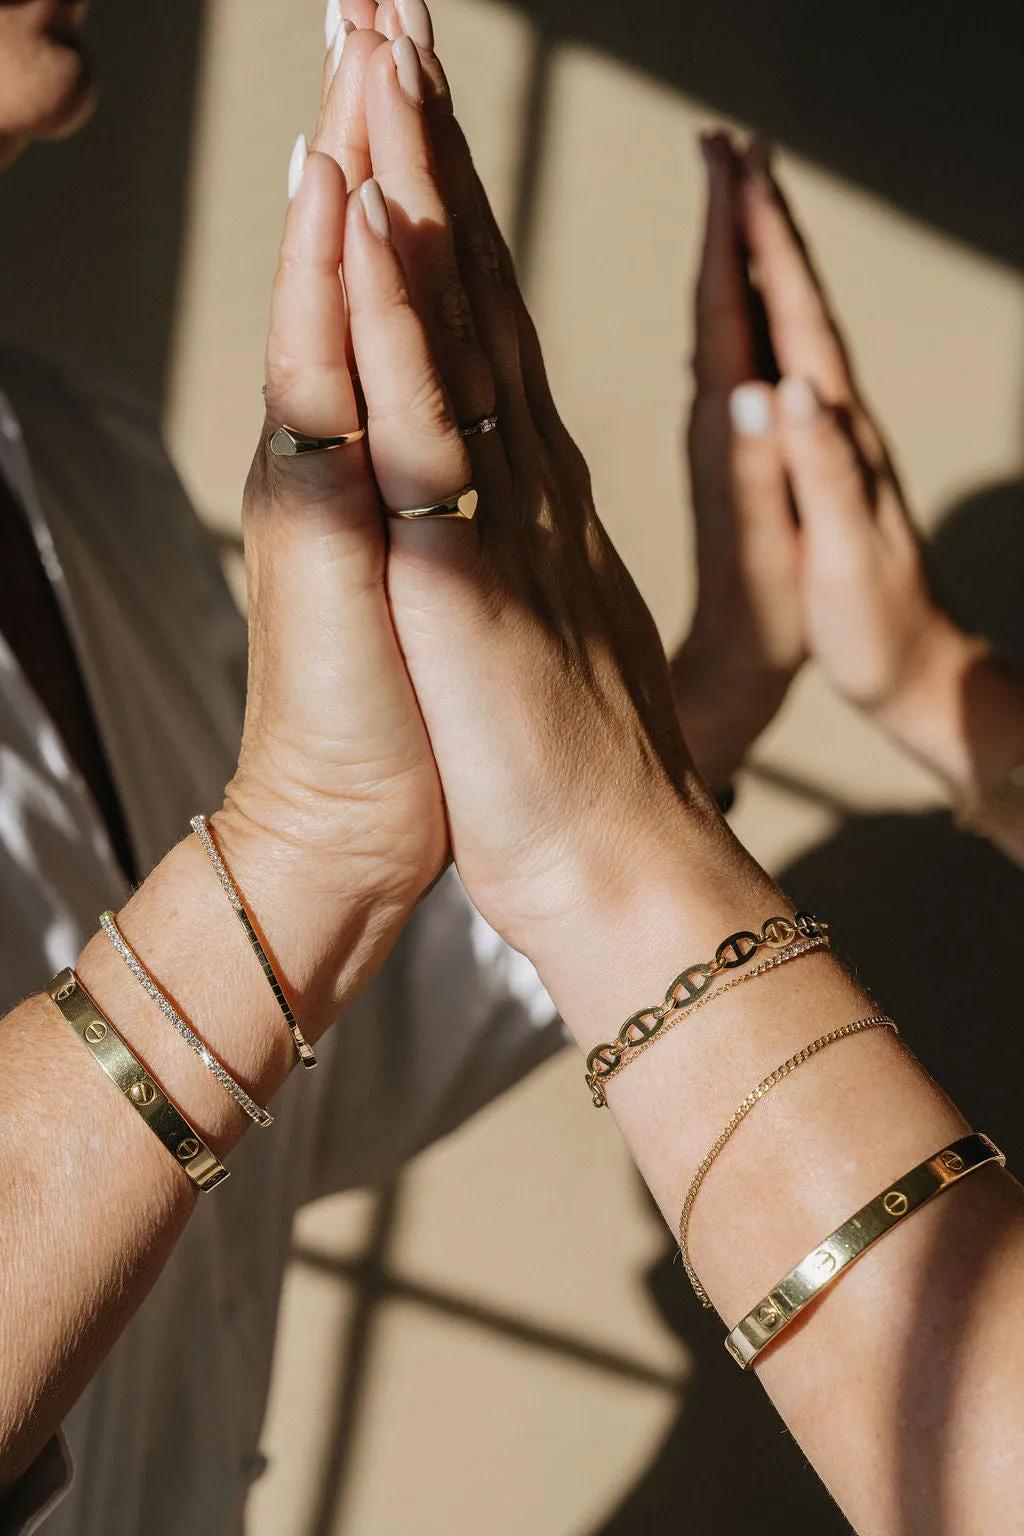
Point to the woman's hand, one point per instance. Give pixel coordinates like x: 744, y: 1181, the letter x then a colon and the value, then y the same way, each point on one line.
x: 336, y: 765
x: 747, y: 638
x: 538, y: 669
x: 871, y: 621
x: 870, y: 618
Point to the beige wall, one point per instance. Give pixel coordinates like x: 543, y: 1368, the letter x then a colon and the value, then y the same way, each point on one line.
x: 533, y: 1211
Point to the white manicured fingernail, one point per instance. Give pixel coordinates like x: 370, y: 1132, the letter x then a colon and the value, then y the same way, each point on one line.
x: 416, y: 22
x: 407, y: 65
x: 332, y: 21
x: 297, y: 166
x: 799, y: 400
x: 375, y: 209
x: 344, y: 33
x: 751, y: 411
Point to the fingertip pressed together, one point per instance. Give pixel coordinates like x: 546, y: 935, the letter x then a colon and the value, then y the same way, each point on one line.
x: 375, y: 209
x: 799, y: 400
x: 750, y: 407
x: 297, y: 166
x: 416, y: 22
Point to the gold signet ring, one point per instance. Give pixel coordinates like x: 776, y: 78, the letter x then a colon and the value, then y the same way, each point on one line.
x: 286, y: 442
x: 463, y: 504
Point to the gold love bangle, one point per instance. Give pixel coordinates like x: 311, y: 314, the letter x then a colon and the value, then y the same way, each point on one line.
x: 692, y: 984
x: 201, y: 827
x: 138, y: 1086
x: 843, y: 1247
x: 876, y: 1021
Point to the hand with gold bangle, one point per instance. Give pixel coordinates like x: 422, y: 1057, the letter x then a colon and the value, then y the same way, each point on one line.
x: 506, y: 662
x: 585, y: 838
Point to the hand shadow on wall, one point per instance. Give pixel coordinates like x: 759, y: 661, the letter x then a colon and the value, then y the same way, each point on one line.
x: 932, y: 920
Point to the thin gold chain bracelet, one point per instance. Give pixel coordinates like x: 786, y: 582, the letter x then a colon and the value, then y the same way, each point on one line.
x: 691, y: 985
x: 876, y: 1021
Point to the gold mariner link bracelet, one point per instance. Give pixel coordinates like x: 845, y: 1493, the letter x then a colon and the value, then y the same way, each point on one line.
x: 790, y: 937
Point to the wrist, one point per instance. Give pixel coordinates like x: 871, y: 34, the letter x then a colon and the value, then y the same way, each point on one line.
x: 329, y: 915
x: 723, y: 710
x: 641, y: 910
x: 924, y: 711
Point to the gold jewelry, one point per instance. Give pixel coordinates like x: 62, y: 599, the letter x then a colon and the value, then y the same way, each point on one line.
x: 463, y: 504
x: 843, y: 1247
x: 640, y: 1028
x: 480, y: 428
x: 109, y: 925
x: 201, y: 827
x: 286, y: 443
x: 877, y: 1021
x: 139, y: 1087
x: 805, y: 947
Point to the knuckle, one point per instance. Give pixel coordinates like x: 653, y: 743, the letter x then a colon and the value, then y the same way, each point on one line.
x: 425, y: 404
x: 480, y: 250
x: 453, y: 310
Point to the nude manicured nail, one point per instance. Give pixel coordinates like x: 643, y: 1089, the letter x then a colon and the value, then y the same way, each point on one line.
x: 332, y: 21
x: 297, y: 166
x: 751, y: 410
x: 376, y: 209
x: 407, y: 65
x: 799, y: 401
x: 416, y: 22
x: 344, y: 33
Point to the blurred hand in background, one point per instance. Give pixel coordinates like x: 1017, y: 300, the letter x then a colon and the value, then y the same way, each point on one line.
x: 805, y: 544
x: 747, y: 640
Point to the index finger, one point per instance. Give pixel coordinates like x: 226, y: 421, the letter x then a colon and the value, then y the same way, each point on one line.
x: 724, y: 354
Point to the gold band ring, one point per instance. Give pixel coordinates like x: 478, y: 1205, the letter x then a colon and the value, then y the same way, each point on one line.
x: 463, y: 504
x: 286, y: 442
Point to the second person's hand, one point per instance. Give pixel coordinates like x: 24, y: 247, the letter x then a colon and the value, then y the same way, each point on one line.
x: 539, y: 671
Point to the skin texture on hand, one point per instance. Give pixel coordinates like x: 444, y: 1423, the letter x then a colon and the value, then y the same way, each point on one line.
x: 335, y: 761
x: 524, y: 618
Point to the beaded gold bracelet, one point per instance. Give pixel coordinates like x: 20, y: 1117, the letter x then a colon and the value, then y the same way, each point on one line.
x: 689, y: 987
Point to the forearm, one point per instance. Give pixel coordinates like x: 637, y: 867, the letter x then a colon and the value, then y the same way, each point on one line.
x: 919, y: 1325
x: 91, y: 1203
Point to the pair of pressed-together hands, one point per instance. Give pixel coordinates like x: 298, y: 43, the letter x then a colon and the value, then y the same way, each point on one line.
x: 497, y: 689
x: 843, y: 580
x: 493, y: 688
